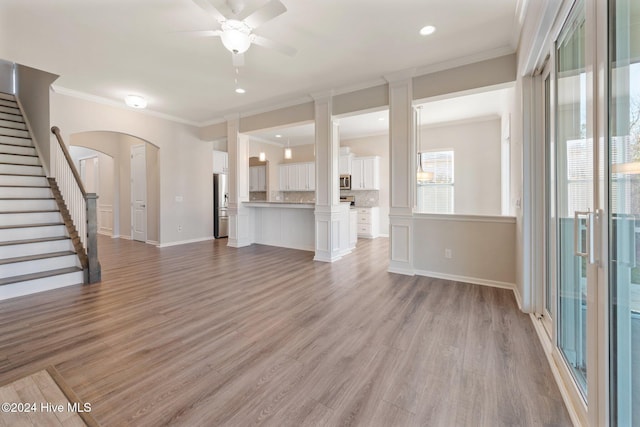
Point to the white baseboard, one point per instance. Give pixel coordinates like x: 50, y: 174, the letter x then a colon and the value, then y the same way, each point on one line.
x: 547, y: 346
x: 153, y: 242
x: 105, y: 233
x: 185, y: 242
x: 383, y: 235
x: 466, y: 279
x: 401, y: 270
x: 122, y: 236
x: 516, y: 292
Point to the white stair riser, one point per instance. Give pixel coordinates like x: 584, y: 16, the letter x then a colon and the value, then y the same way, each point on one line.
x: 12, y: 124
x: 15, y: 141
x: 37, y: 181
x: 25, y: 192
x: 10, y: 110
x: 18, y: 205
x: 8, y: 103
x: 21, y: 169
x: 7, y: 96
x: 12, y: 149
x: 26, y: 233
x: 40, y: 285
x: 22, y: 160
x: 38, y: 265
x: 11, y: 117
x: 36, y: 248
x: 14, y: 132
x: 30, y: 218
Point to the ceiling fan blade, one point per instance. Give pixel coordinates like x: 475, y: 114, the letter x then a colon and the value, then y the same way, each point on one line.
x: 203, y: 33
x: 238, y: 59
x: 280, y: 47
x: 208, y: 7
x: 257, y: 17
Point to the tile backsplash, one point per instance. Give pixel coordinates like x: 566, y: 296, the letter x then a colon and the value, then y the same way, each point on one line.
x: 259, y: 196
x: 293, y: 196
x: 367, y: 198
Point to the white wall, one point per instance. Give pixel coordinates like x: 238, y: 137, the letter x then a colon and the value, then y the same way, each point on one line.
x: 375, y: 146
x: 185, y: 161
x: 477, y: 162
x: 6, y: 76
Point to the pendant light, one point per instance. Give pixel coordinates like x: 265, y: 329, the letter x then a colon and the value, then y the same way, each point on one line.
x: 421, y: 175
x: 287, y: 152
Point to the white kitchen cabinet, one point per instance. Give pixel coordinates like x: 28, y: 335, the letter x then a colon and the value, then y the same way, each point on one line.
x: 297, y: 176
x: 220, y: 162
x: 368, y: 222
x: 365, y: 173
x: 345, y: 164
x: 258, y: 178
x: 353, y: 228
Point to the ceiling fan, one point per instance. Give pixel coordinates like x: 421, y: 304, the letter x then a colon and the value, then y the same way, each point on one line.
x: 235, y: 25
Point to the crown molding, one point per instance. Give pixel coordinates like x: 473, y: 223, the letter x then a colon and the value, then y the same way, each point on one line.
x: 61, y: 90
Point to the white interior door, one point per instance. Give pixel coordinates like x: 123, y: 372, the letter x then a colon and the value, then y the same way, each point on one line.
x: 138, y: 193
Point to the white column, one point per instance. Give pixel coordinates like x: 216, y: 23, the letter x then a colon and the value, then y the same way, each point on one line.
x: 327, y: 212
x: 402, y: 173
x: 240, y: 230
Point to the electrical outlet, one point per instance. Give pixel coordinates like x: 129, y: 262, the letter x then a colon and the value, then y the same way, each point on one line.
x: 448, y: 254
x: 180, y: 228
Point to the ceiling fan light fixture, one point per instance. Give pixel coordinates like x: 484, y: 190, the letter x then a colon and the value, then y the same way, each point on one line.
x: 236, y: 36
x: 135, y: 101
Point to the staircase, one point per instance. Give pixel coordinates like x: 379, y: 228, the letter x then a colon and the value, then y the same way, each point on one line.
x: 36, y: 252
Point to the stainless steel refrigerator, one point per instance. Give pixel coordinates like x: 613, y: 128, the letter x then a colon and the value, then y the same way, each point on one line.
x: 220, y: 204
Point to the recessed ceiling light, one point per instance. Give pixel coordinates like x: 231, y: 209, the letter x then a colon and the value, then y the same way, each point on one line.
x: 429, y: 29
x: 381, y: 119
x: 240, y: 90
x: 278, y: 136
x: 135, y: 101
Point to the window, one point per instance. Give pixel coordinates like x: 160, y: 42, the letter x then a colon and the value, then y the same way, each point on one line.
x: 435, y: 193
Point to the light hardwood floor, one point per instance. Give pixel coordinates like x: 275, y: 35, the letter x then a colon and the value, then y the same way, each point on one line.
x: 206, y: 335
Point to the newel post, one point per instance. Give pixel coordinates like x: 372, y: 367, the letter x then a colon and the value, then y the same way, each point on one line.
x: 95, y: 272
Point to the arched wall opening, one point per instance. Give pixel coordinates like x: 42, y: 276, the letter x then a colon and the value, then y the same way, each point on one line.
x: 116, y: 173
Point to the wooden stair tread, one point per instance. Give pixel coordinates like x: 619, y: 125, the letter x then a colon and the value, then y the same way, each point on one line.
x: 14, y: 136
x: 26, y: 212
x: 35, y: 257
x: 16, y: 145
x: 38, y: 240
x: 18, y: 164
x: 39, y: 275
x: 20, y: 174
x: 26, y: 198
x: 19, y: 154
x: 23, y: 186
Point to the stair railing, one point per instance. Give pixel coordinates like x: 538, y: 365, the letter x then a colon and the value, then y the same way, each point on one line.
x: 81, y: 207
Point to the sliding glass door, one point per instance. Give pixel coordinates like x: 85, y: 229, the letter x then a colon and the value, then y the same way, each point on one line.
x: 574, y: 195
x: 624, y: 211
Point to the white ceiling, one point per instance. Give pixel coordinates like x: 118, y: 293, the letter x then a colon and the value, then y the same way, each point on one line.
x: 111, y: 48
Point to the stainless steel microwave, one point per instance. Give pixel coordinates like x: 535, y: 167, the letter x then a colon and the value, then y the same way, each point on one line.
x: 345, y: 182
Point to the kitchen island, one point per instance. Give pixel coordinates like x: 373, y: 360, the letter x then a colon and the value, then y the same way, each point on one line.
x: 284, y: 224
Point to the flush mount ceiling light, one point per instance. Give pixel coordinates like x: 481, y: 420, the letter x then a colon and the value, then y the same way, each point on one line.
x: 240, y: 90
x: 135, y: 101
x: 278, y: 136
x: 426, y: 30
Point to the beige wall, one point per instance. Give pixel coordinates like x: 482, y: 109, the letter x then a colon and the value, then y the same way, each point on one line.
x: 33, y: 91
x: 301, y: 154
x: 184, y: 159
x: 6, y: 76
x: 477, y: 155
x: 483, y: 250
x: 153, y: 193
x: 376, y: 146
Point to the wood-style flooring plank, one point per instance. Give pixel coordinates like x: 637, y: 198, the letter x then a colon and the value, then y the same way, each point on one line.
x: 204, y: 334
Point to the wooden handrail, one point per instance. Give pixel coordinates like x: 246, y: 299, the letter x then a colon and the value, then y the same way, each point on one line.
x: 56, y: 131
